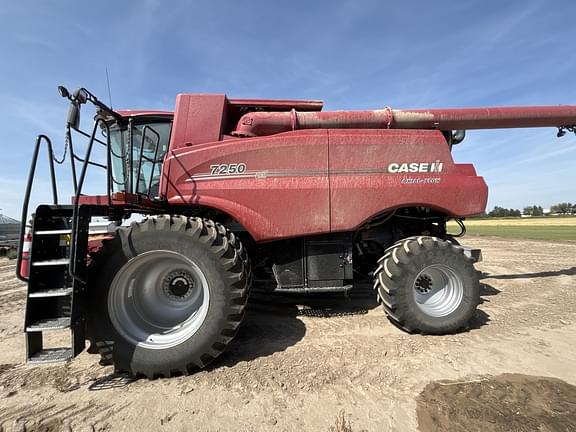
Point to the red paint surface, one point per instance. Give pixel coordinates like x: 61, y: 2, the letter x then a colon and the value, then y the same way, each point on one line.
x: 356, y: 194
x: 310, y: 172
x: 268, y: 123
x: 270, y: 207
x: 197, y: 119
x: 320, y: 181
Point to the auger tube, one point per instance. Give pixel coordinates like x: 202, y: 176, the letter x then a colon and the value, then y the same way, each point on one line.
x: 269, y: 123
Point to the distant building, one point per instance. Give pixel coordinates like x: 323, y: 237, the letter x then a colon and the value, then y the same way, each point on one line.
x: 9, y: 229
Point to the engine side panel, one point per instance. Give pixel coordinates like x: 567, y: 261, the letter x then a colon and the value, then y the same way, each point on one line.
x: 276, y: 187
x: 376, y: 170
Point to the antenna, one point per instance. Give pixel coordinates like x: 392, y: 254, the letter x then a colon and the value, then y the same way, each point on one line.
x: 108, y: 84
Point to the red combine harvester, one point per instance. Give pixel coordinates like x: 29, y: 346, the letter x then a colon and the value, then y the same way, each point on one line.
x: 239, y: 193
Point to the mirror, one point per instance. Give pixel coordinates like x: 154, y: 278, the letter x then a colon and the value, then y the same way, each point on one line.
x: 63, y: 92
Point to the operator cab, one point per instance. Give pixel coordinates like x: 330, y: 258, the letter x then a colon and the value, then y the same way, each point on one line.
x: 135, y: 141
x: 143, y: 139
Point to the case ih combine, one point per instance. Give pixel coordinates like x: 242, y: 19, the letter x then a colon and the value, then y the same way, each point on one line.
x: 273, y: 194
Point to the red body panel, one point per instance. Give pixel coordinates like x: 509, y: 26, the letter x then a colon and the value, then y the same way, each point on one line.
x: 320, y: 181
x: 198, y: 119
x: 283, y: 192
x: 284, y: 169
x: 361, y: 186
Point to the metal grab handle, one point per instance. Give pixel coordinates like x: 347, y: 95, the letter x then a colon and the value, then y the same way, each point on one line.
x: 144, y: 130
x: 78, y: 193
x: 78, y: 185
x: 26, y: 201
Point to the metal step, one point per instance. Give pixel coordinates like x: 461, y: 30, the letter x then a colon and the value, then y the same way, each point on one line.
x: 53, y: 292
x: 55, y: 301
x: 51, y: 355
x: 53, y: 232
x: 52, y: 262
x: 49, y: 324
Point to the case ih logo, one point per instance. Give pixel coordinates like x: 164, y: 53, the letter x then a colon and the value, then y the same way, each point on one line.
x: 415, y: 167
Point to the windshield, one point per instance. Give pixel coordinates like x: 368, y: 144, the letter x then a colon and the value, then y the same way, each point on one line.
x: 138, y: 171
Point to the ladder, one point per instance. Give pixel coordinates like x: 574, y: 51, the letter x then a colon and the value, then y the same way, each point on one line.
x: 55, y: 299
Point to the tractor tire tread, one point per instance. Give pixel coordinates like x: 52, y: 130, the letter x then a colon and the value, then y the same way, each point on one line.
x: 391, y: 273
x: 226, y: 247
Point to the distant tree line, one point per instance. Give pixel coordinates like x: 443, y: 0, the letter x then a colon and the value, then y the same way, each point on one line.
x: 564, y: 208
x: 504, y: 212
x: 533, y: 211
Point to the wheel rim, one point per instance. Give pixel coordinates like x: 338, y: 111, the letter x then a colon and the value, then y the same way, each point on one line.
x: 158, y: 299
x: 438, y: 290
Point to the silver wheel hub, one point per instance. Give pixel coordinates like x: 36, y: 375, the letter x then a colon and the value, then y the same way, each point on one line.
x: 438, y: 290
x: 158, y: 299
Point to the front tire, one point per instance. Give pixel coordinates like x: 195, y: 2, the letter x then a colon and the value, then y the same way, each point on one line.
x: 167, y: 295
x: 427, y: 285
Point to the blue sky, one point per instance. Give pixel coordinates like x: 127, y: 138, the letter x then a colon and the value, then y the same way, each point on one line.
x: 352, y: 54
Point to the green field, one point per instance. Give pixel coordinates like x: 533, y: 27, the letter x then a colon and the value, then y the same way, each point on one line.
x: 538, y: 228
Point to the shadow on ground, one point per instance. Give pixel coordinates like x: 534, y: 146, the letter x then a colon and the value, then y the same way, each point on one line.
x: 272, y: 322
x: 564, y: 272
x: 112, y: 381
x: 481, y: 318
x: 271, y: 325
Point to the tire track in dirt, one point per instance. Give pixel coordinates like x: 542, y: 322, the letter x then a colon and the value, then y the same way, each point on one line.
x: 12, y: 290
x: 8, y: 276
x: 56, y: 416
x: 5, y: 262
x: 54, y: 413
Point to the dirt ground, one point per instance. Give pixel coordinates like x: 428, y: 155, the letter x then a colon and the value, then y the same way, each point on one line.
x: 302, y: 365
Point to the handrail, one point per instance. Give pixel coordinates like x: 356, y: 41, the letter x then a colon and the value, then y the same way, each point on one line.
x: 78, y: 193
x: 78, y: 184
x: 26, y: 202
x: 99, y: 165
x: 81, y: 132
x: 154, y: 162
x: 144, y: 130
x: 72, y: 155
x: 109, y: 153
x: 129, y: 170
x: 128, y: 182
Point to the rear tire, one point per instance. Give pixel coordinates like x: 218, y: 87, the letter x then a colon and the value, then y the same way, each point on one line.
x: 427, y: 285
x: 167, y: 295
